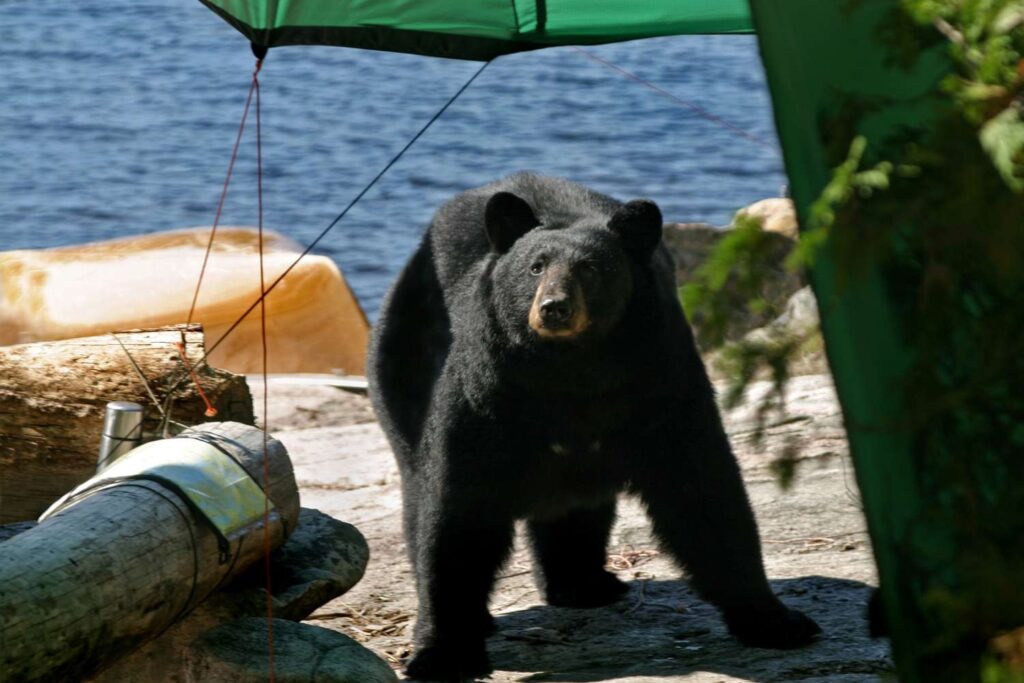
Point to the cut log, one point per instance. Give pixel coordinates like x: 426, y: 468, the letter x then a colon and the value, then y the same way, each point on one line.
x: 53, y: 396
x: 91, y: 583
x: 11, y: 530
x: 322, y: 559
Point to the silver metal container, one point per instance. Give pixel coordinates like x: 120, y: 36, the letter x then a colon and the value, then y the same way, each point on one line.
x: 122, y: 431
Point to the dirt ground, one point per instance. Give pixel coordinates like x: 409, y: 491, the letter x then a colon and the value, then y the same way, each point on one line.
x: 815, y: 546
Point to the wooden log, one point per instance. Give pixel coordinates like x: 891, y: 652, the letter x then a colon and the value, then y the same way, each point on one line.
x: 53, y: 396
x: 91, y: 583
x: 11, y: 530
x: 322, y: 559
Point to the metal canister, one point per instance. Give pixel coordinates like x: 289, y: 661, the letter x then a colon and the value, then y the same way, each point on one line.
x: 122, y: 431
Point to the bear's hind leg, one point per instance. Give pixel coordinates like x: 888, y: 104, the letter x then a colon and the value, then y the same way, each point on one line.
x: 570, y: 551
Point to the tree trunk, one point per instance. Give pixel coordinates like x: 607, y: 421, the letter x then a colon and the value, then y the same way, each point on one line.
x: 53, y: 397
x: 91, y: 583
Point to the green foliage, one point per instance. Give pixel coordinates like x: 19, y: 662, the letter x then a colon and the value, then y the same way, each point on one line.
x: 1003, y: 139
x: 995, y: 671
x: 985, y: 42
x: 751, y: 358
x: 734, y: 278
x: 849, y: 181
x: 734, y: 281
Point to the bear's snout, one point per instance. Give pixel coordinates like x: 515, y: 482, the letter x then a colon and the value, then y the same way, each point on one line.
x: 555, y: 311
x: 559, y: 309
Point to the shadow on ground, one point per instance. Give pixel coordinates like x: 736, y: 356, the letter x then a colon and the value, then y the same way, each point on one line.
x: 661, y: 629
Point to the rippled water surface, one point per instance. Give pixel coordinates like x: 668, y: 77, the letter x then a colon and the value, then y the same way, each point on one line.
x: 119, y: 118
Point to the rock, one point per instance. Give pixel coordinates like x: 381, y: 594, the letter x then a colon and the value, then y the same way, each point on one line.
x: 801, y: 312
x: 690, y: 245
x: 800, y: 317
x: 330, y: 470
x: 322, y: 559
x: 299, y: 406
x: 777, y: 215
x: 800, y: 320
x: 237, y: 652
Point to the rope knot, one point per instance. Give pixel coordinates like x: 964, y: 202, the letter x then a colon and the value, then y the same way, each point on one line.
x: 210, y: 410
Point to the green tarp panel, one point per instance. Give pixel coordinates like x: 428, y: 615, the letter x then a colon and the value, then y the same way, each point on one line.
x: 820, y: 57
x: 477, y: 29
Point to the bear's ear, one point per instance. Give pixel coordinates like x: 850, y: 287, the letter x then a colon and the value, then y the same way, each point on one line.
x: 507, y: 218
x: 638, y: 225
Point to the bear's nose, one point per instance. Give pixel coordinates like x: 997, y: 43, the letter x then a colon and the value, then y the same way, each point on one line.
x: 555, y: 311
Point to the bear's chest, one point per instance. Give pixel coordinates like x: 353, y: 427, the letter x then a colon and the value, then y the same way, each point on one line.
x: 567, y: 451
x: 568, y: 424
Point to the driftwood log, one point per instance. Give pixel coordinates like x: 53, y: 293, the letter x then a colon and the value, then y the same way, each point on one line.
x: 322, y: 559
x: 91, y: 583
x: 53, y: 396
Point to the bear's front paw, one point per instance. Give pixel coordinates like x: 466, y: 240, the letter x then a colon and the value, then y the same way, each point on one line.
x: 595, y: 590
x: 780, y: 629
x: 449, y: 664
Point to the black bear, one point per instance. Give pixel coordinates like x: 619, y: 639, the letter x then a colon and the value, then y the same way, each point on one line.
x: 531, y: 362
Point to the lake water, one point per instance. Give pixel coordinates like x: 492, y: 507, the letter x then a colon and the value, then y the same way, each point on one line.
x: 119, y: 118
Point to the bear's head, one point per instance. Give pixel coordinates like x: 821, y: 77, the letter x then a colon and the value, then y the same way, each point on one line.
x: 568, y: 278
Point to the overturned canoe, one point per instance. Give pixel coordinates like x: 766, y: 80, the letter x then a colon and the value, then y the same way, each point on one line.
x: 314, y: 323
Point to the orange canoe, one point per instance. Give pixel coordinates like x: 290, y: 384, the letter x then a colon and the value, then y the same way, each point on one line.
x: 314, y: 322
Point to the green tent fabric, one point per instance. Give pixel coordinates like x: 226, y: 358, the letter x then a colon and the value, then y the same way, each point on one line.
x: 481, y: 29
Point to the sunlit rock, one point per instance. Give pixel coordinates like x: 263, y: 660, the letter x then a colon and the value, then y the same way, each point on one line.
x: 777, y: 214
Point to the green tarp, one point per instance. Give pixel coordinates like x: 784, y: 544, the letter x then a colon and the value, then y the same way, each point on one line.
x: 477, y: 29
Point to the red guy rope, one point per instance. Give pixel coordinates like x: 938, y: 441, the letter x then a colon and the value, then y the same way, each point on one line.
x: 266, y: 385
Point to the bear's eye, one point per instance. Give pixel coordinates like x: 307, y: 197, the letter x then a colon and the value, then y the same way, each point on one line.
x: 537, y: 268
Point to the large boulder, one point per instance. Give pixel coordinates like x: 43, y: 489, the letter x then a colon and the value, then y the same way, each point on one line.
x: 777, y: 214
x: 236, y: 652
x: 799, y: 320
x: 691, y: 243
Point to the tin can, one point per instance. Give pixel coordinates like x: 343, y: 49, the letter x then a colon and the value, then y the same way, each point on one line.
x: 122, y: 431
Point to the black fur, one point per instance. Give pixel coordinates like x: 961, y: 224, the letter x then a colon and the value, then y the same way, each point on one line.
x: 491, y: 423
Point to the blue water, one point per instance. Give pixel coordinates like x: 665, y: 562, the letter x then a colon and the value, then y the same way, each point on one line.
x: 118, y: 119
